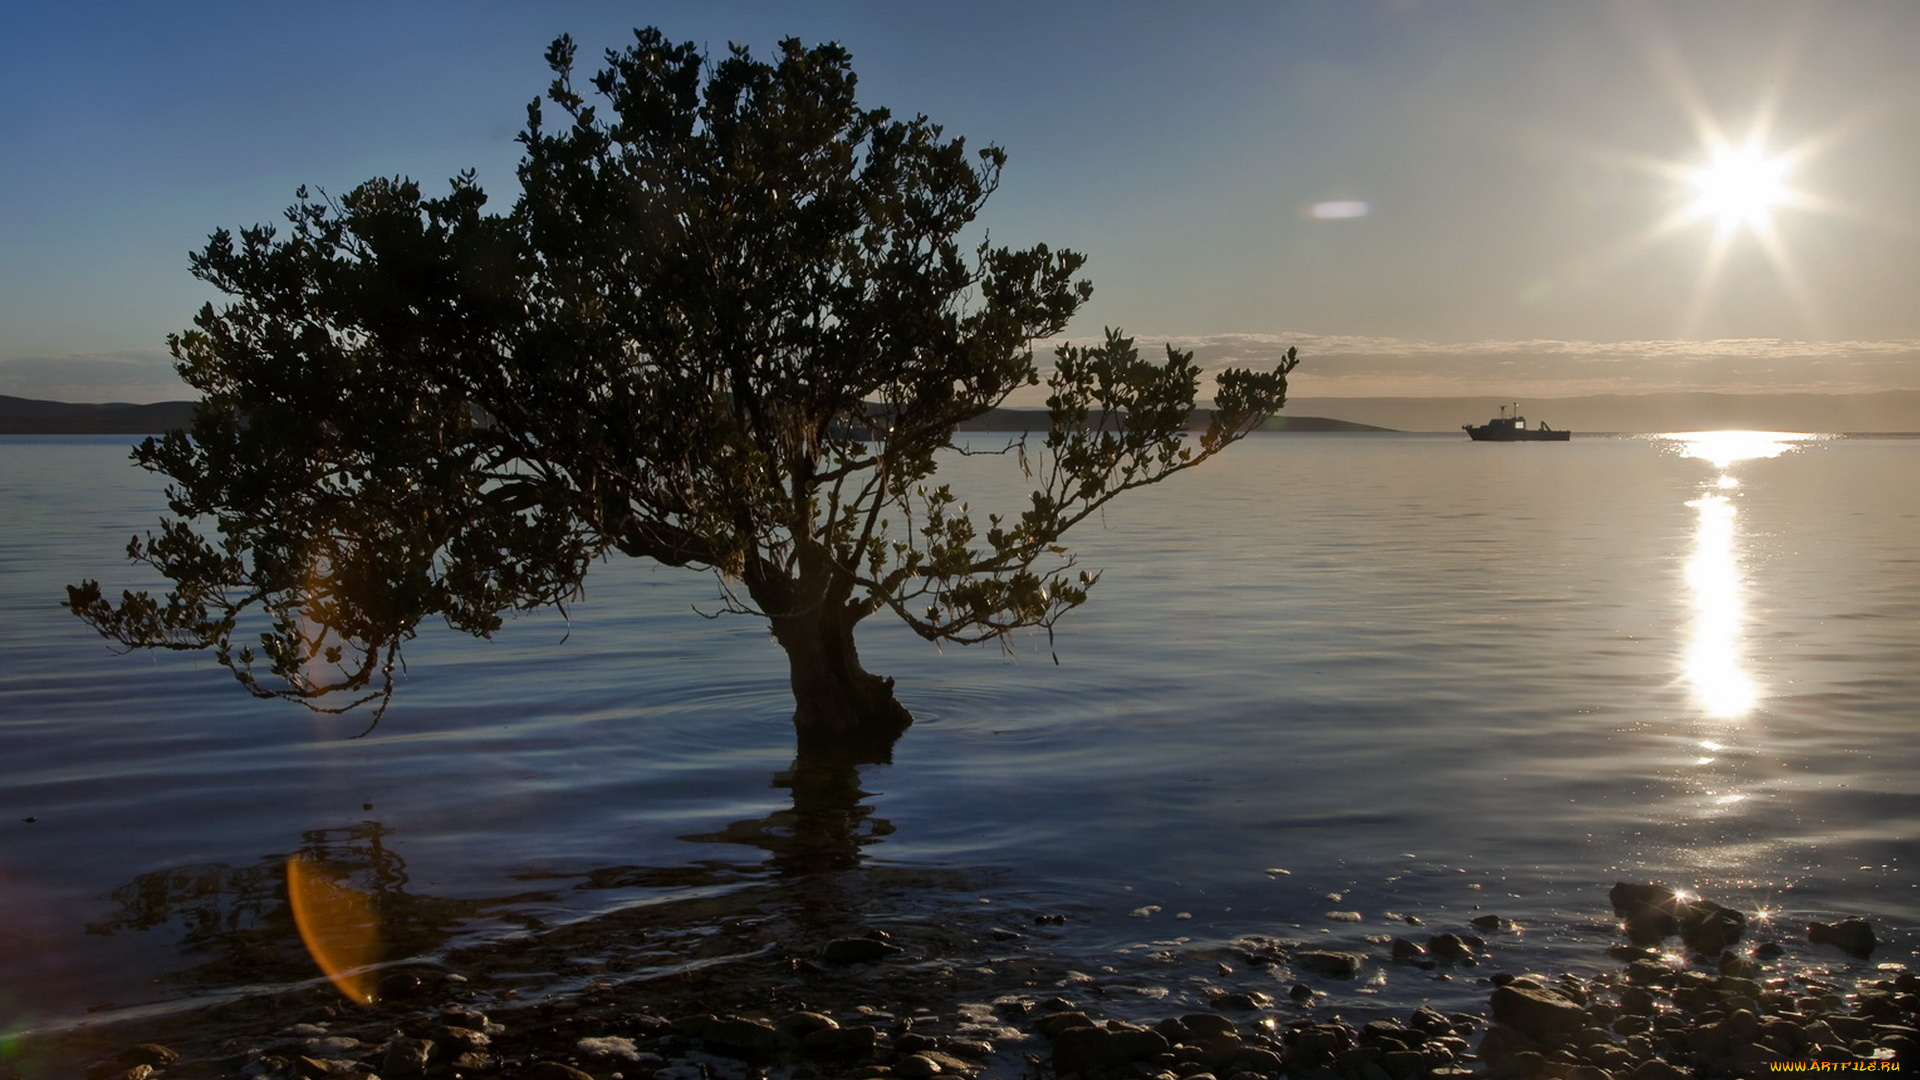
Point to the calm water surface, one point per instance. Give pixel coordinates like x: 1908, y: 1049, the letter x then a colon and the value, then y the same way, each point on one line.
x: 1420, y: 675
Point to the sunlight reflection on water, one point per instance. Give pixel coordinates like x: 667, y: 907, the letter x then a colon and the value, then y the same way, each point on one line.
x: 1715, y: 666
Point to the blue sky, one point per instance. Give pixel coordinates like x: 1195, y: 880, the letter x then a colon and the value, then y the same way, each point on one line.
x: 1523, y: 164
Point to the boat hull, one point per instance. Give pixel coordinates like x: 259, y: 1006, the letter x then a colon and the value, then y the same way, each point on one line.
x: 1493, y: 434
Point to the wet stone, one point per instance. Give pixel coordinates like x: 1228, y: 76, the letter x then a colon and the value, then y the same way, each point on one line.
x: 1851, y: 936
x: 916, y: 1067
x: 740, y: 1037
x: 1051, y: 1026
x: 802, y: 1024
x: 1092, y: 1049
x: 913, y: 1043
x: 1449, y: 947
x: 856, y: 1040
x: 1538, y: 1014
x: 407, y: 1057
x: 1328, y: 963
x: 1207, y: 1025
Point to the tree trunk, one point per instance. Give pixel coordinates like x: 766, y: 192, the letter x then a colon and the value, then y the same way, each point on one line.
x: 840, y: 709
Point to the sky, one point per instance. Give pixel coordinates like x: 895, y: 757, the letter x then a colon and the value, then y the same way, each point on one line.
x: 1514, y: 198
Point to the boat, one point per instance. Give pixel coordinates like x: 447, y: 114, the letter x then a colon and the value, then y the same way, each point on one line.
x: 1512, y: 427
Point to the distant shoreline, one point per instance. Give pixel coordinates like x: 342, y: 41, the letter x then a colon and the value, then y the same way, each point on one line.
x: 1891, y: 413
x: 28, y: 416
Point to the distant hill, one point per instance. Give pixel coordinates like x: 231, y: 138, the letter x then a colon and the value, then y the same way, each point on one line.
x: 1036, y: 420
x: 1887, y: 411
x: 28, y: 416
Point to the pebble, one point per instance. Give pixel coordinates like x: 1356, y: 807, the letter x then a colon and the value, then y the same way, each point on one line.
x: 1647, y: 1018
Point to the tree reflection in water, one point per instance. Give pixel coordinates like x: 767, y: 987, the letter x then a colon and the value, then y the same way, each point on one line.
x: 238, y: 925
x: 826, y: 828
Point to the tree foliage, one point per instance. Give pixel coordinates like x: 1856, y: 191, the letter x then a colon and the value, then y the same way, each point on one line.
x: 730, y: 324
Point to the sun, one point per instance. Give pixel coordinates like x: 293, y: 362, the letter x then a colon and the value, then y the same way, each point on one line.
x: 1740, y: 186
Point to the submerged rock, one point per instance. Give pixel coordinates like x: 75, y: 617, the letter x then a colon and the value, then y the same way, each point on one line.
x: 1335, y: 965
x: 1852, y: 936
x: 1710, y: 929
x: 1654, y: 913
x: 857, y: 950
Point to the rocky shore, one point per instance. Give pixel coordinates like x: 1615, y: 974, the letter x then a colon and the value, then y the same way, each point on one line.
x: 722, y: 998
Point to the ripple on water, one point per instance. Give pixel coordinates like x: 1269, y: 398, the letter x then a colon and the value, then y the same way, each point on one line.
x: 1326, y: 656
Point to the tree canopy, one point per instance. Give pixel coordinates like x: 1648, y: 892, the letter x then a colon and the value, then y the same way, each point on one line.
x: 731, y: 323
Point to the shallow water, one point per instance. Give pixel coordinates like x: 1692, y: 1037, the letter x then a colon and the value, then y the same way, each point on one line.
x: 1426, y: 676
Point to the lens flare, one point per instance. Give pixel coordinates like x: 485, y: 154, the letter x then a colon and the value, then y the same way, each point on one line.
x: 337, y: 923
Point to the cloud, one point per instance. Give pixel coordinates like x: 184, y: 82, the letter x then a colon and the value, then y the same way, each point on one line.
x: 1337, y: 209
x: 1334, y: 365
x: 138, y: 377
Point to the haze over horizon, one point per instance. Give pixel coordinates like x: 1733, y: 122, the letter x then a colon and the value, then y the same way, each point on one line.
x: 1515, y: 200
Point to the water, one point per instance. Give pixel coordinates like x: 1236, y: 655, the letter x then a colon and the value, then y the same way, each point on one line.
x: 1422, y: 676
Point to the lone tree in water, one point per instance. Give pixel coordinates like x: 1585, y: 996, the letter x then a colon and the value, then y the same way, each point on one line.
x: 728, y: 325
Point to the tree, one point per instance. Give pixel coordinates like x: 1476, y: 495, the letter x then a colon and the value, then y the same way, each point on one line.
x: 729, y: 325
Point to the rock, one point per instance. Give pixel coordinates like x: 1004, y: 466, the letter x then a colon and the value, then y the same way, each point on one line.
x: 1052, y: 1025
x: 553, y: 1070
x: 1449, y: 947
x: 740, y: 1037
x: 407, y: 1057
x: 973, y: 1049
x: 472, y: 1061
x: 607, y: 1046
x: 1407, y: 951
x: 916, y: 1067
x: 857, y: 1040
x: 147, y: 1054
x: 913, y: 1043
x: 1208, y: 1025
x: 1537, y: 1014
x: 1429, y: 1021
x: 1708, y: 928
x: 1092, y: 1049
x: 1655, y: 1069
x: 1649, y: 973
x: 1333, y: 965
x: 857, y: 950
x: 1258, y: 1059
x: 1220, y: 1051
x: 1488, y: 922
x: 1628, y: 897
x: 1403, y: 1064
x: 1652, y: 911
x: 1243, y: 1002
x: 1393, y: 1032
x: 951, y: 1065
x: 458, y: 1039
x: 1852, y: 936
x: 802, y: 1024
